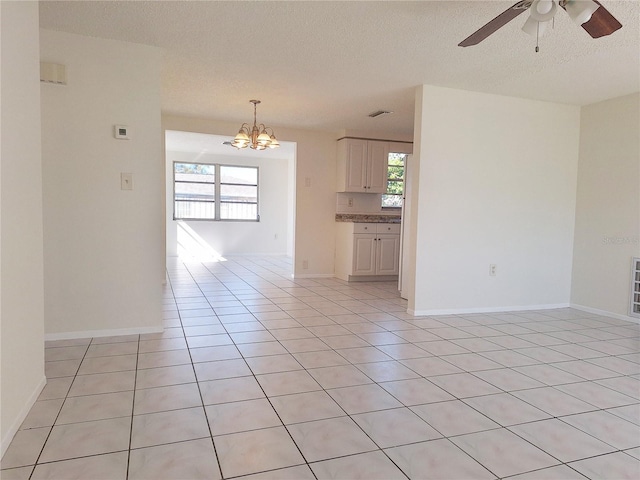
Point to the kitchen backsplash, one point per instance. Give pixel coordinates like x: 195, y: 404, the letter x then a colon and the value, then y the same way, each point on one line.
x: 361, y: 203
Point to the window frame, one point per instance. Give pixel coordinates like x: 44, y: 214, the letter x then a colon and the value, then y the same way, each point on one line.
x: 386, y: 193
x: 217, y: 183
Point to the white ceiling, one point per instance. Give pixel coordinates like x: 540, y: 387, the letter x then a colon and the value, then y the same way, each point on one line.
x: 327, y: 65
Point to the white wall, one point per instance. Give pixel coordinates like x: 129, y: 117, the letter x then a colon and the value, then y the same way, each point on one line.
x: 608, y: 206
x: 21, y: 264
x: 268, y: 236
x: 497, y: 185
x: 314, y: 204
x: 103, y: 250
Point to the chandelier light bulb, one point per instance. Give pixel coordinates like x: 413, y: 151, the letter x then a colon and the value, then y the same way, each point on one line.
x: 274, y: 142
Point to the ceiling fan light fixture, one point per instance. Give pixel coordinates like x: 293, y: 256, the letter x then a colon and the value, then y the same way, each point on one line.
x: 594, y: 18
x: 533, y: 27
x: 581, y: 11
x: 543, y: 10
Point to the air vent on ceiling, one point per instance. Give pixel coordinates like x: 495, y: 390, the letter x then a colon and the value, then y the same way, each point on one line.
x: 379, y: 112
x: 634, y: 307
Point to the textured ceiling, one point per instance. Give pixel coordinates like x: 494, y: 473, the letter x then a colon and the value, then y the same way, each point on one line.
x: 327, y: 65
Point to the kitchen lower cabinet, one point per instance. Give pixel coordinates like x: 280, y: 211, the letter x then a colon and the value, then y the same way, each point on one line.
x: 388, y: 254
x: 367, y: 250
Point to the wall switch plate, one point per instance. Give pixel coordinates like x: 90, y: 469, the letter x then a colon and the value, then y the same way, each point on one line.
x: 307, y: 181
x: 350, y: 201
x: 305, y: 264
x: 126, y: 181
x: 121, y: 132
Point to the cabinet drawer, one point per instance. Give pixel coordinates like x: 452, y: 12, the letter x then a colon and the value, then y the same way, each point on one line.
x: 364, y: 228
x: 388, y: 228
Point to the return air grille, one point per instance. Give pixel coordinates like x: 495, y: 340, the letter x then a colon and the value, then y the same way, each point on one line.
x: 634, y: 308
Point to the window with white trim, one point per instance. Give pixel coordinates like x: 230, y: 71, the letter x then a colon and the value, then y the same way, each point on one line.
x: 205, y: 191
x: 392, y: 198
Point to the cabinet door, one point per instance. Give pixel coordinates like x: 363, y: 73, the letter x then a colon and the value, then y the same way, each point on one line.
x: 388, y: 254
x: 356, y: 180
x: 378, y: 158
x: 364, y: 254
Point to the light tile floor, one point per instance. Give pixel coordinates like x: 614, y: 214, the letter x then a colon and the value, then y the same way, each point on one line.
x: 260, y: 376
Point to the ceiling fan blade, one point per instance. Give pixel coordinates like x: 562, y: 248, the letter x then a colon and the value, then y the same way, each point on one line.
x: 602, y: 23
x: 495, y: 24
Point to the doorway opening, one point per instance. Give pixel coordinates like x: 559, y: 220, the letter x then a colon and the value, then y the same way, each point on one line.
x: 203, y: 180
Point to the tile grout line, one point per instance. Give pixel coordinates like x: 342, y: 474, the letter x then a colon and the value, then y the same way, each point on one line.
x: 60, y: 411
x: 133, y: 406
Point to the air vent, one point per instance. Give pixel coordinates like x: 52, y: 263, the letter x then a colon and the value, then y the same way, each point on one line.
x: 634, y: 307
x: 379, y: 112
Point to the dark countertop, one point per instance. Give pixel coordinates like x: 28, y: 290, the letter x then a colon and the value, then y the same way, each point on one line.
x: 367, y: 218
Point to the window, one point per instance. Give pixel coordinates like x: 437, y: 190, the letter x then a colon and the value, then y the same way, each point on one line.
x: 215, y: 192
x: 395, y: 181
x: 238, y: 193
x: 194, y: 191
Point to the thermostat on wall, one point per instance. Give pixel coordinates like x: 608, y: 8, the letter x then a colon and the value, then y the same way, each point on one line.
x: 121, y: 132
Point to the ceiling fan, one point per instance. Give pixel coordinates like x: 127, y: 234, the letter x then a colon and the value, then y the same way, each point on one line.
x: 590, y: 14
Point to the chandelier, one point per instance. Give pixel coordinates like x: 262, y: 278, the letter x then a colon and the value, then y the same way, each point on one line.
x: 255, y: 137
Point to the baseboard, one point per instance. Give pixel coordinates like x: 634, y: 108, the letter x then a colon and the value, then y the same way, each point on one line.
x: 312, y: 275
x: 372, y: 278
x: 605, y: 313
x: 15, y: 426
x: 459, y: 311
x: 102, y: 333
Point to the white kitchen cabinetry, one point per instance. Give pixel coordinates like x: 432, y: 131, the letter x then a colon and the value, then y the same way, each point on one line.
x: 367, y: 250
x: 362, y: 165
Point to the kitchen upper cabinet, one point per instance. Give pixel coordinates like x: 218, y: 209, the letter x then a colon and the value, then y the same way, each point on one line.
x: 352, y: 163
x: 362, y: 165
x: 378, y: 159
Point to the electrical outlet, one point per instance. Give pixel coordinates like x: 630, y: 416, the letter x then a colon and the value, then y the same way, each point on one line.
x: 305, y: 264
x: 350, y: 201
x: 493, y: 269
